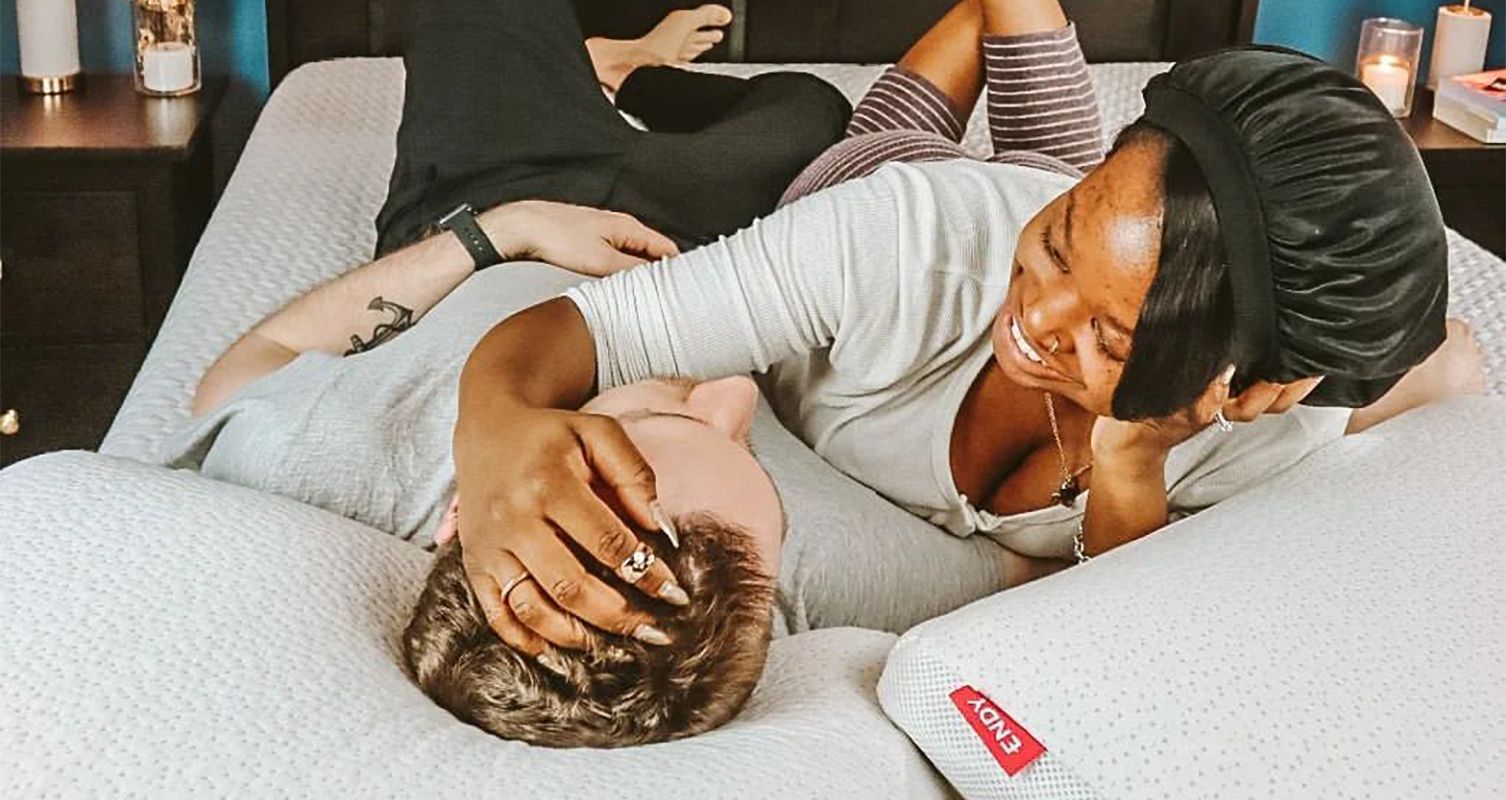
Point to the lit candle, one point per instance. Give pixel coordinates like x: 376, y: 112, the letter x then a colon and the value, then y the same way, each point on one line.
x: 167, y: 67
x: 1388, y: 77
x: 48, y: 30
x: 1459, y: 44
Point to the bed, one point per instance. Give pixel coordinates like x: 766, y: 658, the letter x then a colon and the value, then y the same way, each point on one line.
x: 177, y: 638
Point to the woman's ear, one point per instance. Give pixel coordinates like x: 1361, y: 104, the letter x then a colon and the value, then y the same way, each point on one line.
x: 726, y: 404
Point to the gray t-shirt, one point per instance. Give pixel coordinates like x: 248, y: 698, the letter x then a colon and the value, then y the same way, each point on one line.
x: 367, y: 436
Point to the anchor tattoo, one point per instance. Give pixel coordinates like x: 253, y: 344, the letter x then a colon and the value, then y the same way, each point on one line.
x: 402, y: 319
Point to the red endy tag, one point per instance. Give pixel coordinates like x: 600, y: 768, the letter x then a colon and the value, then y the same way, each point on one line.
x: 1013, y: 746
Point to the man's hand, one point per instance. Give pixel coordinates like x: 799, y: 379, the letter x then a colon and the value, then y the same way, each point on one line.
x: 585, y: 240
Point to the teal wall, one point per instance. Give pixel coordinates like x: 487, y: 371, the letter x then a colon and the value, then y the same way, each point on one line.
x: 233, y: 34
x: 1330, y: 29
x: 233, y: 39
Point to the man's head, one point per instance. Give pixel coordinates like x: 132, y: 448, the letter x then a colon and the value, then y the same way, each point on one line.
x: 619, y: 691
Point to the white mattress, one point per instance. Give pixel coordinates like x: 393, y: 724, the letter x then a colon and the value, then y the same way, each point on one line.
x: 175, y: 639
x: 300, y: 206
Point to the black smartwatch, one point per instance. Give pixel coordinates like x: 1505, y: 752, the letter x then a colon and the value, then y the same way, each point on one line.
x: 463, y: 222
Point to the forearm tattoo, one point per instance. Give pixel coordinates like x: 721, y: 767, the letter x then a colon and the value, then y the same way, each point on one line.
x: 402, y: 319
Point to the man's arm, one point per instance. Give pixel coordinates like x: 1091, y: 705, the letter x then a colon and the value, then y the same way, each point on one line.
x: 344, y: 315
x: 373, y: 303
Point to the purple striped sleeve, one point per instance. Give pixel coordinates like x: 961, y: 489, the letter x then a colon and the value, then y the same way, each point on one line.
x: 1041, y: 98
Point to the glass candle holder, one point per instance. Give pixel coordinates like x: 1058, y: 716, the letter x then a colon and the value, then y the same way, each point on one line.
x: 167, y: 48
x: 1387, y: 61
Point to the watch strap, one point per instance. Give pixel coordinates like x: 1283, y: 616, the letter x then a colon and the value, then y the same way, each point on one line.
x: 462, y: 220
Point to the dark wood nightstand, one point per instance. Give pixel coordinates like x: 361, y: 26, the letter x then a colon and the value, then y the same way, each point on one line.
x: 103, y: 195
x: 1469, y: 176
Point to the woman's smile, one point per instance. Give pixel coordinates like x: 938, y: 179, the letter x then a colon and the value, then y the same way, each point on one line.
x: 1022, y: 358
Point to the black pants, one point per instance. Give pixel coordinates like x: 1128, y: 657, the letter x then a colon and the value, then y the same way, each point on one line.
x: 502, y: 104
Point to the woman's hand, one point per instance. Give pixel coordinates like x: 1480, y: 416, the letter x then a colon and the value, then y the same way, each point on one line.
x: 524, y: 479
x: 585, y: 240
x: 1128, y: 499
x: 1151, y: 439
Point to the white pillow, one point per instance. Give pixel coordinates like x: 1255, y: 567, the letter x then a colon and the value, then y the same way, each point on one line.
x: 1339, y: 631
x: 166, y: 635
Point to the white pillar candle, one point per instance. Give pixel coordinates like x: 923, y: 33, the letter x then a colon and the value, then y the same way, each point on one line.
x: 167, y: 67
x: 1388, y: 78
x: 48, y: 30
x: 1459, y: 43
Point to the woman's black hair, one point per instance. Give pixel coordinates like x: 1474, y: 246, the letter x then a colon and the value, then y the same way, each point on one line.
x: 1185, y: 332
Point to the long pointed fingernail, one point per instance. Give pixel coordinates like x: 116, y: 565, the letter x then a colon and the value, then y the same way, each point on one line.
x: 671, y: 593
x: 1228, y: 375
x: 551, y: 662
x: 650, y: 635
x: 665, y: 525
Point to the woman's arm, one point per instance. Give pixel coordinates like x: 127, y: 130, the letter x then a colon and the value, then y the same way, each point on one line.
x: 1128, y: 497
x: 530, y: 472
x: 371, y: 304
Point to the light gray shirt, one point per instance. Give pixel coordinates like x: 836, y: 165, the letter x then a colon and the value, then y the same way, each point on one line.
x: 868, y: 308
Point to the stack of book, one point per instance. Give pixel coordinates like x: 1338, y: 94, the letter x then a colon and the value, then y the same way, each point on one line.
x: 1474, y: 104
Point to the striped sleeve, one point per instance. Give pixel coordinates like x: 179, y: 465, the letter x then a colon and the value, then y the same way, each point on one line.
x: 1041, y: 98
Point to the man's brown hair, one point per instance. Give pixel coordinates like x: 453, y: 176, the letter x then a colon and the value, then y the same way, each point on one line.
x: 620, y: 691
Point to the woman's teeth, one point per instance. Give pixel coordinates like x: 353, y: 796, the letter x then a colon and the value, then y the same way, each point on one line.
x: 1023, y: 343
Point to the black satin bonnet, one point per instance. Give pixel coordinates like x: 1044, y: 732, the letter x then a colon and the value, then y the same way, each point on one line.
x: 1336, y: 247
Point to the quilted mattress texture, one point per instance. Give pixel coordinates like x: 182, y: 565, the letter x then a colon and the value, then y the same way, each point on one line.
x: 1317, y: 636
x: 299, y: 211
x: 171, y: 636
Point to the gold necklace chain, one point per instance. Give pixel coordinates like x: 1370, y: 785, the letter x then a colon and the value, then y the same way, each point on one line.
x: 1069, y: 490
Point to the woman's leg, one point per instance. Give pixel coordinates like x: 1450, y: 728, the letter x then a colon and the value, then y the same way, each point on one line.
x: 918, y: 110
x: 948, y: 57
x: 1040, y: 96
x: 502, y: 102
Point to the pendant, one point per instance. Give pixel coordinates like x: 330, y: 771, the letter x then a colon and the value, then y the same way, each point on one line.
x: 1068, y: 492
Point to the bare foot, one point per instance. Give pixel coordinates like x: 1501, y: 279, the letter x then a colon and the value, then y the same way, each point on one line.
x: 678, y: 39
x: 1456, y: 368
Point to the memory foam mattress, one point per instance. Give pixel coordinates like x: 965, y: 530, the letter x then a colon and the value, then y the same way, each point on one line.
x: 300, y: 206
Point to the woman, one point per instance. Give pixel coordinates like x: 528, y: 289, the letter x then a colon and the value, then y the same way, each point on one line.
x: 984, y: 342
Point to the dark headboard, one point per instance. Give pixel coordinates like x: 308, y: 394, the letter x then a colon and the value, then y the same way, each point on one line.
x: 848, y: 31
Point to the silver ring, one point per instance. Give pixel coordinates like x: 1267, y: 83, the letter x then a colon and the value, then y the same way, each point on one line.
x: 1222, y: 421
x: 513, y: 584
x: 635, y: 566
